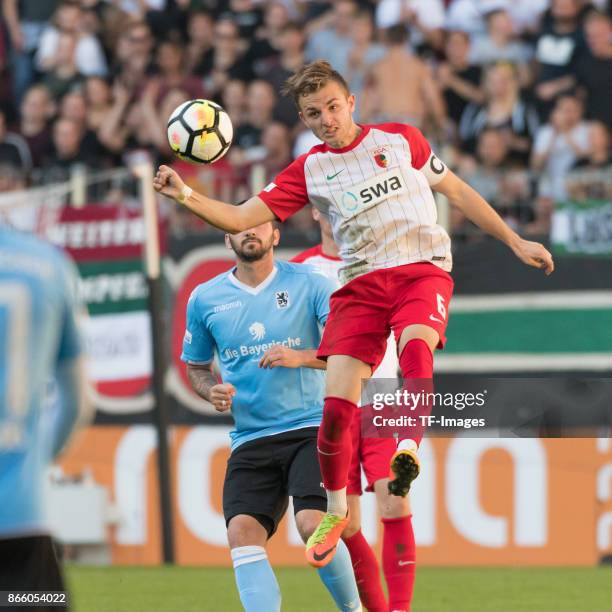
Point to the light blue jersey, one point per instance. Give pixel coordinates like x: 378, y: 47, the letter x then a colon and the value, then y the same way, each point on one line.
x: 239, y: 323
x: 37, y: 335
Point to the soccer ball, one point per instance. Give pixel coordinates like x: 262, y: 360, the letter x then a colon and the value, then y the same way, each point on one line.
x: 200, y: 131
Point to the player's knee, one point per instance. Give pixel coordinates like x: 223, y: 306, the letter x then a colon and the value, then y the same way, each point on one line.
x: 307, y: 521
x: 245, y: 530
x: 392, y: 506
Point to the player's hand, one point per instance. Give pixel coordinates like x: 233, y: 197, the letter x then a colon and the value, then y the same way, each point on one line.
x: 534, y: 254
x: 281, y: 356
x: 221, y: 396
x: 168, y: 182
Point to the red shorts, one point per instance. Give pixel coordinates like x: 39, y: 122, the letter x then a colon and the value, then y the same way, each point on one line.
x: 374, y: 454
x: 363, y: 312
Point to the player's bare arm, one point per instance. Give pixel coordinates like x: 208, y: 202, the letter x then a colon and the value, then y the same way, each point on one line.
x: 232, y: 219
x: 282, y: 356
x: 204, y: 383
x: 480, y: 212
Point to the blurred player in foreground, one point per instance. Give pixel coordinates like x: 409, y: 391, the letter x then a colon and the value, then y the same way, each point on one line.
x: 374, y: 183
x: 374, y: 454
x: 39, y: 342
x: 263, y: 321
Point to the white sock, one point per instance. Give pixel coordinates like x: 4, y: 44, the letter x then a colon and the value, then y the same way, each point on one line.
x: 408, y: 445
x: 336, y: 502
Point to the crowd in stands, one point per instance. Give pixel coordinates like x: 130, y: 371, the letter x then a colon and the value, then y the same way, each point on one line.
x: 515, y: 95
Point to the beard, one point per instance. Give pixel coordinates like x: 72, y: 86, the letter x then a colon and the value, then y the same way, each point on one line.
x: 251, y: 249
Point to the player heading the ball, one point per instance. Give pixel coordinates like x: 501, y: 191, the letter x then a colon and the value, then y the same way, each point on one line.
x: 374, y: 183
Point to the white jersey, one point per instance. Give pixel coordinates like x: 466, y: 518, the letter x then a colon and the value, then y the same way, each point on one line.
x: 330, y: 267
x: 377, y: 195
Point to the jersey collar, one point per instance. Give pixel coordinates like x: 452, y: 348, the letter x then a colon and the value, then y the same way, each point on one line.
x: 252, y: 290
x: 364, y: 131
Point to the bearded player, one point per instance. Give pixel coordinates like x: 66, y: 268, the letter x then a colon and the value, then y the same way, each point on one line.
x: 374, y: 454
x: 374, y: 183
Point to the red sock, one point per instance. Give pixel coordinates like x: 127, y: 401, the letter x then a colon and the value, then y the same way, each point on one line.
x: 399, y: 555
x: 416, y: 363
x: 367, y: 573
x: 334, y: 442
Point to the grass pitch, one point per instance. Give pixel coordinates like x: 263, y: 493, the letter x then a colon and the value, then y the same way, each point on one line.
x: 190, y: 589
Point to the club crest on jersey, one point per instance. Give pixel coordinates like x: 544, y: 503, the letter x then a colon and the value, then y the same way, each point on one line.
x: 380, y: 157
x: 282, y: 299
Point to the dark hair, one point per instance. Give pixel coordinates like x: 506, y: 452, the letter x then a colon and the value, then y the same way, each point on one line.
x: 397, y: 34
x: 311, y: 78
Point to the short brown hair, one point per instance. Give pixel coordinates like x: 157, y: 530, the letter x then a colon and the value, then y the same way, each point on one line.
x: 310, y: 78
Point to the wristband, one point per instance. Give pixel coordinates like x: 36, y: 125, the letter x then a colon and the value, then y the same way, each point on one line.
x: 184, y: 195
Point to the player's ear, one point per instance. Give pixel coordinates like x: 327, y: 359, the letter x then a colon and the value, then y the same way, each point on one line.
x: 351, y: 102
x: 276, y: 235
x: 302, y: 118
x: 228, y: 244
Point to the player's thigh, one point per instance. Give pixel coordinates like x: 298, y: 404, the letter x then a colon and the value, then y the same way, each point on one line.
x: 423, y: 294
x: 358, y: 322
x: 30, y: 564
x: 254, y: 486
x: 344, y: 376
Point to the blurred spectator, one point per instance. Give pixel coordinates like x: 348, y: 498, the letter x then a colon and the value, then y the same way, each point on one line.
x: 247, y: 147
x: 264, y: 49
x: 233, y: 99
x: 25, y: 21
x: 492, y: 174
x: 591, y: 176
x: 226, y: 62
x: 246, y: 14
x: 68, y: 150
x: 14, y: 149
x: 504, y: 109
x: 425, y: 18
x: 200, y: 29
x: 594, y: 67
x: 88, y: 54
x: 400, y: 87
x: 560, y: 41
x: 63, y: 75
x: 469, y: 15
x: 170, y: 61
x: 330, y: 37
x: 363, y: 55
x: 98, y: 97
x: 500, y: 43
x: 291, y: 46
x: 133, y: 57
x: 36, y: 112
x: 459, y: 80
x: 276, y: 140
x: 558, y: 145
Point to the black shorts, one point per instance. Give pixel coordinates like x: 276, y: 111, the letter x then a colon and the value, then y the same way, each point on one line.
x: 263, y: 473
x: 30, y: 564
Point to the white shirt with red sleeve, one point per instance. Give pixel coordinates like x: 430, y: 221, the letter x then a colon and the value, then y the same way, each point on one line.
x: 377, y: 195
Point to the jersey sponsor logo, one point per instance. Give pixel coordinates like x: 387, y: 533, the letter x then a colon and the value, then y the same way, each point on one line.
x: 432, y: 318
x: 257, y: 330
x: 329, y: 177
x: 228, y: 306
x: 257, y: 350
x: 371, y: 192
x: 282, y: 299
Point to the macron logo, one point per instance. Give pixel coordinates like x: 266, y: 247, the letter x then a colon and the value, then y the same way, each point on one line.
x: 257, y: 330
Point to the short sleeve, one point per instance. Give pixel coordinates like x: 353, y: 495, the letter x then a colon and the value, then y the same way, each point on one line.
x: 423, y: 158
x: 198, y: 343
x: 322, y: 288
x: 287, y: 193
x: 70, y: 344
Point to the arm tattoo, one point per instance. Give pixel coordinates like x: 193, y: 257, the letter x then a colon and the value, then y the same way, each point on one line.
x: 201, y: 379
